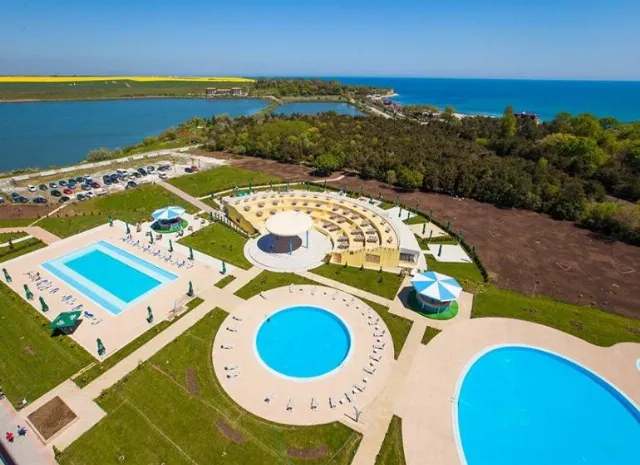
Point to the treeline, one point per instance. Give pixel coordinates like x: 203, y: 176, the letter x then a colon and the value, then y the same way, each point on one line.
x: 280, y: 87
x: 565, y: 168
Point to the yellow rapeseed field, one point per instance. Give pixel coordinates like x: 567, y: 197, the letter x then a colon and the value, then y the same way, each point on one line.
x: 54, y: 79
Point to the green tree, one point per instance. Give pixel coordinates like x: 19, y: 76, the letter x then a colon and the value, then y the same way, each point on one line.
x: 390, y: 177
x: 326, y: 163
x: 508, y: 124
x: 409, y: 178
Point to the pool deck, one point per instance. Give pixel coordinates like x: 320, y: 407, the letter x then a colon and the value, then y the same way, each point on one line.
x: 115, y: 331
x: 438, y: 366
x: 348, y: 387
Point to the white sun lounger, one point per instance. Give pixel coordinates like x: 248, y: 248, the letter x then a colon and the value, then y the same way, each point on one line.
x: 375, y: 357
x: 380, y: 334
x: 231, y: 367
x: 237, y: 318
x: 314, y: 403
x: 290, y: 406
x: 360, y: 387
x: 369, y: 370
x: 233, y: 330
x: 378, y: 346
x: 346, y: 395
x: 270, y: 397
x: 233, y: 374
x: 226, y: 346
x: 332, y: 404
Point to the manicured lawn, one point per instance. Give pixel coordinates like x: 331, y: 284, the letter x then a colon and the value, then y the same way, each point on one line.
x: 12, y: 236
x: 172, y: 410
x: 270, y: 280
x: 99, y: 368
x: 591, y: 324
x: 212, y: 203
x: 16, y: 222
x: 132, y: 206
x: 225, y: 281
x: 418, y: 219
x: 221, y: 242
x: 398, y: 327
x: 20, y: 248
x: 392, y: 450
x: 31, y: 361
x: 467, y: 274
x: 219, y: 179
x: 383, y: 284
x: 424, y: 243
x: 429, y: 333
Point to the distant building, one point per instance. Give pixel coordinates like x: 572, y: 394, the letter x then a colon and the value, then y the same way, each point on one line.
x: 236, y: 91
x: 224, y: 91
x: 527, y: 115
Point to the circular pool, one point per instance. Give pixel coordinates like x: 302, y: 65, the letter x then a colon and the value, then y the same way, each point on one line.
x: 303, y: 342
x: 528, y: 406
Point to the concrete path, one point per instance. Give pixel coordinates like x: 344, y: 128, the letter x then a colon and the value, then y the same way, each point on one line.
x: 33, y: 231
x: 377, y: 417
x: 26, y: 449
x: 16, y: 241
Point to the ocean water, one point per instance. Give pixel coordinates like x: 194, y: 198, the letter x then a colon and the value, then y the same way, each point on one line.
x: 620, y: 99
x: 42, y: 134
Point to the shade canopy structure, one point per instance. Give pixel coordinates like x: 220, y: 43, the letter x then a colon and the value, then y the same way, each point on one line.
x: 65, y: 320
x: 168, y: 213
x: 436, y: 286
x: 289, y: 224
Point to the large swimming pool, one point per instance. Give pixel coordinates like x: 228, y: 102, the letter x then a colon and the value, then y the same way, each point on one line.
x: 303, y: 342
x: 108, y: 275
x: 520, y: 405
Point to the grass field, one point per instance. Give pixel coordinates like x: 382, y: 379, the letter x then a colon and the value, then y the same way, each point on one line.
x: 383, y: 284
x: 6, y: 237
x: 95, y: 87
x: 224, y: 282
x: 398, y: 327
x: 132, y: 205
x: 270, y: 280
x: 20, y: 248
x: 392, y: 450
x: 591, y: 324
x: 31, y: 361
x: 429, y: 333
x: 220, y: 242
x: 172, y: 410
x: 219, y: 179
x: 16, y: 222
x: 467, y: 274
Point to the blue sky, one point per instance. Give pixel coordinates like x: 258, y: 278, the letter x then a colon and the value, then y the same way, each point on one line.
x: 564, y: 39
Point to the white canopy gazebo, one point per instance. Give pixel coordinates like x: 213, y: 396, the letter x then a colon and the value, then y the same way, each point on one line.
x: 435, y: 291
x: 289, y: 225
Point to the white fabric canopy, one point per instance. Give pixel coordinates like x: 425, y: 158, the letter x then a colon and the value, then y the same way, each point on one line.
x: 289, y: 224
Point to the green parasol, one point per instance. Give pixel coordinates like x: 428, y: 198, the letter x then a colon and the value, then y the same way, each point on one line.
x: 149, y: 315
x: 190, y: 292
x: 7, y: 277
x: 65, y: 320
x: 43, y: 304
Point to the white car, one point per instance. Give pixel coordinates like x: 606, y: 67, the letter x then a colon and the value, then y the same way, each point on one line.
x: 89, y: 195
x: 162, y: 176
x: 31, y: 188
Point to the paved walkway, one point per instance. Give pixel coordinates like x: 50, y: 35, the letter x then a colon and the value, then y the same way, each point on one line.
x: 26, y: 450
x: 33, y: 231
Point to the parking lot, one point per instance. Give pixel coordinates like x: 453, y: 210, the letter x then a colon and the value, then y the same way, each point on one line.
x: 79, y: 187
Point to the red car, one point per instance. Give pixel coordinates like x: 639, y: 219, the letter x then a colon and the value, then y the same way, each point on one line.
x: 95, y: 185
x: 67, y: 191
x: 194, y: 169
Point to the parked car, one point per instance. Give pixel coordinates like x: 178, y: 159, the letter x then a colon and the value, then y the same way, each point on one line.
x: 151, y: 168
x: 53, y: 185
x: 56, y: 193
x: 71, y: 181
x: 80, y: 179
x: 63, y: 199
x: 31, y: 188
x: 188, y: 170
x: 195, y: 169
x: 89, y: 195
x: 86, y: 187
x: 23, y: 200
x: 40, y: 200
x: 136, y: 175
x: 81, y: 197
x: 132, y: 184
x: 162, y: 176
x: 62, y: 183
x: 1, y: 199
x: 142, y: 171
x: 95, y: 185
x: 15, y: 195
x: 43, y: 187
x: 68, y: 191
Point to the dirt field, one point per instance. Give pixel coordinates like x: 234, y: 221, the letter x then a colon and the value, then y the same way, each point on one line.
x: 51, y: 417
x: 8, y: 212
x: 522, y: 250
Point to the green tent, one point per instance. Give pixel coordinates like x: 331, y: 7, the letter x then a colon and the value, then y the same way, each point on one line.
x: 65, y: 321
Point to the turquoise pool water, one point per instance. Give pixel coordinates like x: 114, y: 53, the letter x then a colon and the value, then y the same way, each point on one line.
x: 525, y: 406
x: 108, y: 275
x: 303, y: 342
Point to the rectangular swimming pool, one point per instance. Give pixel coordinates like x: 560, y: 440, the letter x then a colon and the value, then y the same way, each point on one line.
x: 108, y: 275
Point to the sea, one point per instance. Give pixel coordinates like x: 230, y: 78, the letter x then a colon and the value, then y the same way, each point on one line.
x: 45, y: 134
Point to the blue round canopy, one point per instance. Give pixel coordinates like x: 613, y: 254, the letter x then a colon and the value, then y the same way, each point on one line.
x: 168, y: 213
x: 437, y: 286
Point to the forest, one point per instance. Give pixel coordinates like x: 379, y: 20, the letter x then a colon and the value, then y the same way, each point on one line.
x: 281, y: 87
x: 577, y: 168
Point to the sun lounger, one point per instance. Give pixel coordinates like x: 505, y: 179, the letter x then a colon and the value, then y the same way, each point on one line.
x: 237, y: 318
x: 346, y: 395
x: 375, y: 357
x: 91, y: 316
x: 359, y: 387
x: 189, y: 264
x: 314, y: 403
x: 233, y: 330
x: 370, y: 370
x: 54, y: 290
x: 332, y: 403
x: 378, y: 346
x: 226, y: 346
x: 290, y: 406
x: 233, y: 374
x: 380, y: 333
x: 231, y: 367
x: 269, y: 398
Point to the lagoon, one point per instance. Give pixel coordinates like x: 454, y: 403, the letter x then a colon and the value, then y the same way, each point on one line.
x: 311, y: 108
x: 43, y: 134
